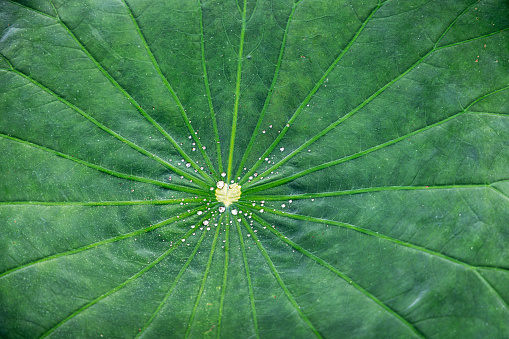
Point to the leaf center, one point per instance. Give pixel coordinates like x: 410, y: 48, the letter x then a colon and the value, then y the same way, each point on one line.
x: 227, y: 194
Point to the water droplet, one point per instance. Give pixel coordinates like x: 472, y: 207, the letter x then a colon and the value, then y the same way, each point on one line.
x: 223, y: 174
x: 282, y: 149
x: 235, y: 212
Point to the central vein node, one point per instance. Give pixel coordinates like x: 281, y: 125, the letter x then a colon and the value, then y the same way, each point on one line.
x: 227, y: 194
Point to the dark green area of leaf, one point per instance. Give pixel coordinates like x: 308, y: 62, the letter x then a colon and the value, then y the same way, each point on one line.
x: 371, y: 140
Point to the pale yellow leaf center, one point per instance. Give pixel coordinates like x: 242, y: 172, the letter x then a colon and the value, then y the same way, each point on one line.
x: 227, y: 194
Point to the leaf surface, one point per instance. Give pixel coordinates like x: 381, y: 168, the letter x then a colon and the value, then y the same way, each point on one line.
x: 370, y: 139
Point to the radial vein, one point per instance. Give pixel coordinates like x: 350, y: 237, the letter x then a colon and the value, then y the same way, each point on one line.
x: 107, y: 129
x: 362, y: 230
x: 204, y: 279
x: 369, y: 150
x: 269, y: 95
x: 246, y: 194
x: 207, y: 90
x: 175, y: 97
x: 338, y: 273
x: 176, y: 280
x: 117, y: 288
x: 106, y: 241
x: 225, y: 273
x: 101, y: 203
x: 237, y: 92
x: 111, y: 172
x: 279, y: 279
x: 132, y: 100
x: 309, y: 96
x: 346, y: 116
x: 248, y: 279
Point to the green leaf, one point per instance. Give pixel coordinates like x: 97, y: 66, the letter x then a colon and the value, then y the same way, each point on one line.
x: 370, y: 138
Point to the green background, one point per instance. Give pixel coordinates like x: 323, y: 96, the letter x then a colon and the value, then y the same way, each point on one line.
x: 371, y: 140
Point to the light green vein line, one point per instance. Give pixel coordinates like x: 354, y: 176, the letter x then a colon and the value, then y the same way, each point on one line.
x: 279, y: 279
x: 369, y: 150
x: 473, y: 39
x: 360, y: 230
x: 248, y: 279
x: 499, y: 193
x: 339, y: 274
x: 494, y: 268
x: 136, y: 105
x: 346, y: 116
x: 205, y: 276
x: 237, y: 93
x: 269, y: 95
x: 111, y: 172
x: 474, y: 3
x: 225, y: 273
x: 107, y: 129
x: 117, y: 288
x: 209, y: 94
x: 356, y: 191
x: 309, y: 96
x: 177, y: 100
x: 492, y: 289
x: 175, y: 281
x: 104, y: 242
x: 102, y: 203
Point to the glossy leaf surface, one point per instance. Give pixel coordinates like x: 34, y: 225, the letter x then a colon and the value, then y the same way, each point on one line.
x: 370, y: 138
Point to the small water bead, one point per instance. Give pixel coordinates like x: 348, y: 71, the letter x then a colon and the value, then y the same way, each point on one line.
x: 222, y: 209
